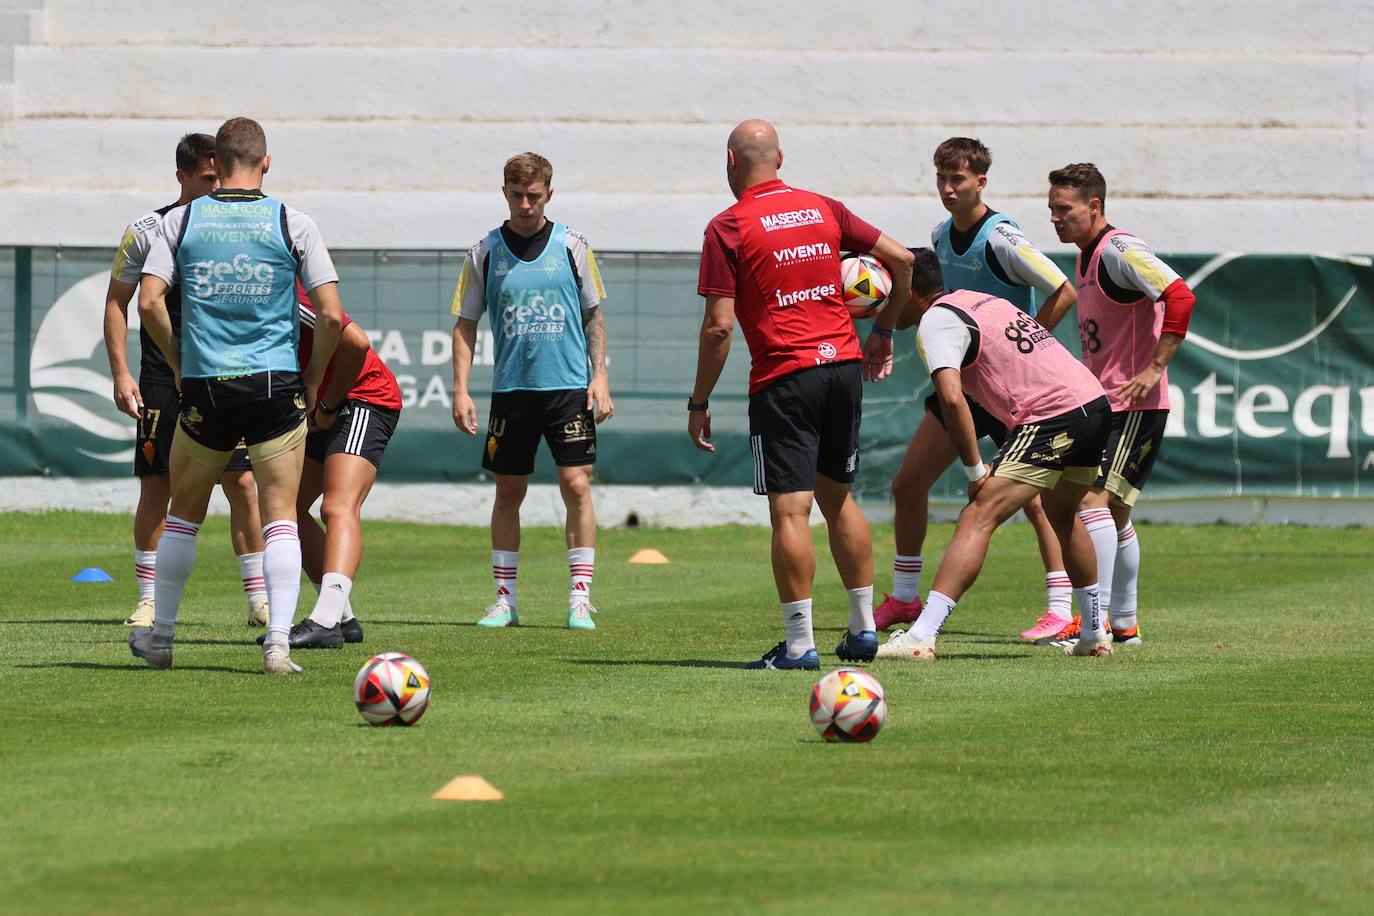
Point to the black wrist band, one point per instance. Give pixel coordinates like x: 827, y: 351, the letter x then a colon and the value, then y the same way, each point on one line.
x: 693, y: 405
x: 882, y: 331
x: 325, y: 408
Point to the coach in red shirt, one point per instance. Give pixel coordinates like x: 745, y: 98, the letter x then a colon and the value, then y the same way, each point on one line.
x: 773, y: 260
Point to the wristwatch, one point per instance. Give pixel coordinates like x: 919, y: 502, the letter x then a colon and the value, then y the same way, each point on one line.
x: 693, y: 405
x: 325, y: 408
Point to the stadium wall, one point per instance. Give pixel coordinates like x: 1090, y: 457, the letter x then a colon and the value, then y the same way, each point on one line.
x: 1220, y: 125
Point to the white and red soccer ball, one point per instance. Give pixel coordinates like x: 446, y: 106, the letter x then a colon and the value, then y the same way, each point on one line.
x: 848, y: 705
x: 391, y: 689
x: 864, y: 283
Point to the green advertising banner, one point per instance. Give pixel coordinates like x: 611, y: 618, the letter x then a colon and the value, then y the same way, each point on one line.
x: 1273, y: 391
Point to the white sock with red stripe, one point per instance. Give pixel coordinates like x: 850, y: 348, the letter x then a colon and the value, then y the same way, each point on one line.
x: 503, y: 569
x: 1059, y: 594
x: 254, y: 585
x: 906, y: 578
x: 176, y: 556
x: 581, y: 565
x: 1102, y: 529
x: 1092, y: 615
x: 1125, y: 576
x: 281, y: 567
x: 145, y: 568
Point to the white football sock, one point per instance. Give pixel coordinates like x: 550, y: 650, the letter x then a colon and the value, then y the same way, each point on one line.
x: 796, y: 622
x: 1124, y: 578
x: 1059, y: 594
x: 145, y: 568
x: 938, y: 608
x: 906, y: 578
x: 329, y: 607
x: 581, y: 565
x: 254, y: 585
x: 176, y: 556
x: 1102, y: 529
x: 860, y: 609
x: 348, y: 605
x: 281, y: 566
x: 1092, y: 617
x: 504, y: 564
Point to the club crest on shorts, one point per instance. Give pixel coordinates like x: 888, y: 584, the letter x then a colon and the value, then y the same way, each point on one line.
x: 491, y: 447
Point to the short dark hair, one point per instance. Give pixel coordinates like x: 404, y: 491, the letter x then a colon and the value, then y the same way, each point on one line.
x: 240, y: 142
x: 927, y: 281
x: 1084, y: 178
x: 957, y: 152
x: 192, y: 148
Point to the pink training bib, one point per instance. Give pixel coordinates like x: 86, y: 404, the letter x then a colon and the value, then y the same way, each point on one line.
x: 1020, y: 373
x: 1119, y: 339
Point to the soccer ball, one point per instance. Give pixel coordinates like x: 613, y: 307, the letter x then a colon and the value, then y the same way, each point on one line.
x: 866, y: 283
x: 391, y: 689
x: 848, y: 705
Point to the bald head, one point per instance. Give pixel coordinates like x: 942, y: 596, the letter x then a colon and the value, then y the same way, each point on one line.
x: 752, y: 154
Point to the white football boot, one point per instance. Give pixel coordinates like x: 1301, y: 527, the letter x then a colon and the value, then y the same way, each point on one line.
x: 908, y: 648
x: 142, y: 615
x: 276, y: 659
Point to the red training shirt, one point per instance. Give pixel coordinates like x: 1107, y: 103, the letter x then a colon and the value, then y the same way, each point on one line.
x: 787, y: 294
x: 375, y: 383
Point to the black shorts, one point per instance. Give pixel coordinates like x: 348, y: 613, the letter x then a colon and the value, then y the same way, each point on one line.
x: 157, y: 425
x: 984, y: 423
x: 266, y: 415
x: 806, y: 423
x: 519, y: 418
x: 1132, y: 447
x: 359, y: 428
x: 1069, y: 446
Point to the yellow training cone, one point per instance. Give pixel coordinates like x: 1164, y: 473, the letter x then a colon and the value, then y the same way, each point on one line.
x: 648, y: 555
x: 468, y: 788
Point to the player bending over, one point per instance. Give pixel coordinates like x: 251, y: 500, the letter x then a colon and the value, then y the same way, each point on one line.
x: 152, y: 401
x: 538, y: 283
x: 355, y: 416
x: 773, y: 260
x: 237, y: 253
x: 1058, y: 418
x: 1128, y: 341
x: 985, y: 251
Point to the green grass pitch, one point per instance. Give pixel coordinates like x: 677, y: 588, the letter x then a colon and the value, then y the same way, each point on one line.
x: 1227, y: 766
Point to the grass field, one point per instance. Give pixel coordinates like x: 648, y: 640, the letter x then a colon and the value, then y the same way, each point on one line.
x: 1227, y: 766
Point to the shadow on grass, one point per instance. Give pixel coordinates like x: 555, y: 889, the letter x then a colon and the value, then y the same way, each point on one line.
x: 656, y: 662
x: 94, y: 621
x: 373, y: 621
x: 134, y: 666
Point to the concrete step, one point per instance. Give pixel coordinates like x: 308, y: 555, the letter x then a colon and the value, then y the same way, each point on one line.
x: 869, y: 90
x: 657, y: 158
x: 674, y: 222
x: 1172, y: 26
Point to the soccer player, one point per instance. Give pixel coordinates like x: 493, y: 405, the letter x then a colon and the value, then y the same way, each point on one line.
x: 237, y: 253
x: 1058, y: 418
x: 772, y: 261
x: 1128, y: 341
x: 152, y: 401
x: 983, y: 250
x: 355, y: 417
x: 538, y: 282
